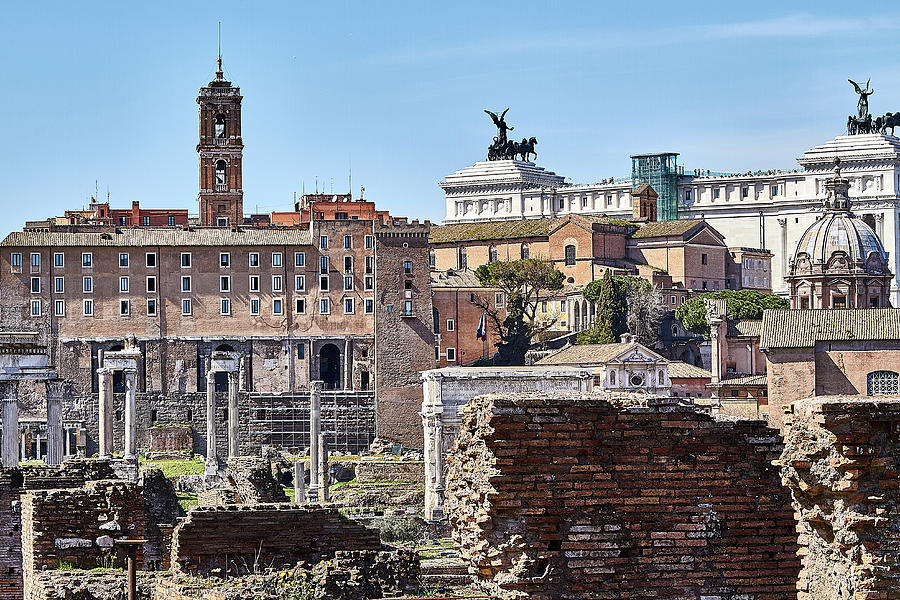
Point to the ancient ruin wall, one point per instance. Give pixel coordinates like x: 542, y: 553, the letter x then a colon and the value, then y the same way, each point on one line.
x: 272, y: 535
x: 840, y: 462
x: 603, y: 497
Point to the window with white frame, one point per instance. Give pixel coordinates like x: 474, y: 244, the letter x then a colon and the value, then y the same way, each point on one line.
x: 323, y: 242
x: 370, y: 242
x: 88, y: 306
x: 277, y: 306
x: 87, y: 284
x: 151, y: 307
x: 254, y: 283
x: 882, y: 383
x: 87, y: 260
x: 254, y: 306
x: 185, y: 260
x: 151, y: 284
x: 185, y: 283
x: 323, y: 265
x: 151, y: 260
x: 300, y: 283
x: 186, y: 306
x: 225, y: 306
x: 348, y: 242
x: 348, y: 264
x: 369, y: 306
x: 35, y: 262
x: 349, y: 306
x: 224, y: 259
x: 35, y: 285
x: 299, y: 259
x: 348, y: 283
x: 123, y: 284
x: 300, y: 306
x: 15, y: 262
x: 254, y: 259
x: 323, y: 283
x: 35, y: 308
x: 499, y: 299
x: 123, y: 259
x: 59, y: 285
x: 451, y: 325
x: 225, y: 283
x: 276, y: 259
x: 59, y: 308
x: 277, y: 283
x: 451, y: 354
x: 324, y: 306
x: 407, y: 266
x: 124, y: 307
x: 59, y: 260
x: 370, y: 283
x: 370, y: 264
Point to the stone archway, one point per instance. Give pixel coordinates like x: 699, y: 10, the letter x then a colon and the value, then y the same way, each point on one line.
x: 330, y: 366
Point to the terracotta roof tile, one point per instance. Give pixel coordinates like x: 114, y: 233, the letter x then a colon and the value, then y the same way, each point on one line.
x: 152, y: 236
x: 666, y: 228
x: 803, y: 328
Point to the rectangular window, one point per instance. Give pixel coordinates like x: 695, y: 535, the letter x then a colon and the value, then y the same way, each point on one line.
x: 35, y: 308
x: 123, y: 284
x: 59, y: 260
x: 225, y: 283
x: 745, y: 192
x: 15, y: 262
x: 451, y: 354
x: 276, y: 259
x: 151, y: 284
x: 348, y: 283
x: 87, y: 284
x: 340, y: 216
x: 323, y: 264
x: 35, y: 262
x: 186, y: 306
x: 407, y: 308
x: 87, y: 260
x: 324, y: 306
x: 348, y: 306
x: 145, y: 220
x: 123, y: 221
x: 300, y: 306
x: 370, y: 283
x: 151, y: 307
x: 277, y: 306
x: 774, y: 190
x: 451, y: 325
x: 185, y: 260
x: 225, y: 306
x: 59, y: 285
x: 370, y: 264
x: 323, y: 242
x: 370, y: 242
x: 499, y: 299
x: 299, y: 259
x: 277, y: 284
x: 323, y: 283
x: 35, y: 285
x: 254, y: 283
x: 301, y: 350
x: 224, y: 260
x: 123, y: 259
x: 348, y: 264
x: 171, y: 221
x: 716, y: 194
x: 609, y: 200
x: 703, y: 259
x: 124, y: 308
x: 254, y: 259
x: 407, y: 267
x: 185, y: 283
x: 151, y: 260
x: 300, y: 283
x: 348, y: 242
x: 370, y: 306
x: 59, y: 308
x: 88, y: 308
x: 254, y: 306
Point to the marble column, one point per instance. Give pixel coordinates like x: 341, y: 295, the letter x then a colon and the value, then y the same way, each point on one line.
x: 130, y: 414
x: 105, y: 409
x: 234, y: 421
x: 315, y: 416
x: 299, y: 482
x: 437, y: 436
x: 324, y: 476
x: 55, y: 393
x: 348, y: 364
x: 212, y: 457
x: 9, y: 448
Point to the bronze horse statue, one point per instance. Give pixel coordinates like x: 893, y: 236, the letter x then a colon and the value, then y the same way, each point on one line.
x: 526, y: 148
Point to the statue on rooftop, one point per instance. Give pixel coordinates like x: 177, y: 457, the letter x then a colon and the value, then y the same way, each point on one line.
x: 862, y: 106
x: 506, y: 149
x: 502, y: 127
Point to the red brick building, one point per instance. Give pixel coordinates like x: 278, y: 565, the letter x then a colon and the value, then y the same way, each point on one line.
x: 100, y: 213
x: 457, y: 317
x: 328, y: 207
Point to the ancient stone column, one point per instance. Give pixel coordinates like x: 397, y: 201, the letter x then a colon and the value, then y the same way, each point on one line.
x: 324, y: 476
x: 437, y: 436
x: 315, y: 426
x: 9, y: 448
x: 348, y: 364
x: 130, y: 414
x: 212, y: 458
x: 55, y: 393
x: 299, y: 483
x: 105, y: 410
x: 234, y: 422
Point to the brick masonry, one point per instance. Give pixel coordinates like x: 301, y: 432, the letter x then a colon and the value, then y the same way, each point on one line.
x: 371, y: 471
x: 604, y: 497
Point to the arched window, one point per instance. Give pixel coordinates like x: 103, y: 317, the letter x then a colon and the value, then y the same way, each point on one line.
x: 570, y: 255
x: 462, y: 261
x: 492, y: 254
x: 220, y: 125
x: 525, y: 251
x: 220, y: 173
x: 612, y: 378
x: 882, y: 383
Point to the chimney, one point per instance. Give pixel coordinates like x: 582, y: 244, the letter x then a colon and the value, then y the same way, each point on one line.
x: 627, y: 338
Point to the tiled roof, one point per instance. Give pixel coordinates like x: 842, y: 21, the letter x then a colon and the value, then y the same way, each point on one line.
x: 512, y: 229
x: 745, y: 328
x: 748, y: 380
x: 454, y: 279
x: 666, y: 228
x: 803, y: 328
x: 593, y: 354
x: 682, y: 370
x: 152, y: 236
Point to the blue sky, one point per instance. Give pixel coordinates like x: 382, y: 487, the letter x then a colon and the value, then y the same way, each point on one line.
x: 105, y: 91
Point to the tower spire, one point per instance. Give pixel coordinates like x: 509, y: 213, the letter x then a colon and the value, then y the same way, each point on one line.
x: 219, y: 75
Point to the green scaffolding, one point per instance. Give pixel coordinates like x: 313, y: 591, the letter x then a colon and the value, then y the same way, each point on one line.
x: 660, y: 171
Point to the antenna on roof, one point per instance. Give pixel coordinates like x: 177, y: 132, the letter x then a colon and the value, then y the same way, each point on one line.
x: 107, y: 193
x: 332, y: 186
x: 350, y: 176
x: 317, y: 184
x: 219, y: 74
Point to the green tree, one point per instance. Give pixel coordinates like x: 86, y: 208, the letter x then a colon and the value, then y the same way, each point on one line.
x: 525, y: 284
x: 635, y: 307
x: 608, y: 298
x: 740, y: 304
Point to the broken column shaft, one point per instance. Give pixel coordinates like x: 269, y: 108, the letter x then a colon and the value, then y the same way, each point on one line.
x: 105, y: 409
x: 324, y: 478
x: 9, y: 448
x: 130, y: 414
x: 299, y: 482
x: 315, y: 426
x: 212, y: 458
x: 55, y: 393
x: 233, y: 420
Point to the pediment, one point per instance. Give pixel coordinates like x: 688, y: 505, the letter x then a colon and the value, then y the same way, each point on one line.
x: 706, y: 237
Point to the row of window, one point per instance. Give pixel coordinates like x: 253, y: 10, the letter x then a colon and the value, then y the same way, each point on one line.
x: 348, y: 242
x: 450, y: 354
x: 59, y: 307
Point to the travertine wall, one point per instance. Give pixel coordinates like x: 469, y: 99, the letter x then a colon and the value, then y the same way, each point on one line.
x: 604, y: 497
x: 840, y: 462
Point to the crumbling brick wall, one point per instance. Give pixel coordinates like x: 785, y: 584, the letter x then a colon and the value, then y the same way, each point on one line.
x: 375, y: 471
x: 235, y: 538
x: 840, y: 462
x: 618, y: 497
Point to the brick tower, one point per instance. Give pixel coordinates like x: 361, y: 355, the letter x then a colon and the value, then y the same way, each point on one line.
x: 220, y: 151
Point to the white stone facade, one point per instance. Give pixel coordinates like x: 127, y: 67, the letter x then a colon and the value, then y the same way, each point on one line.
x: 769, y: 210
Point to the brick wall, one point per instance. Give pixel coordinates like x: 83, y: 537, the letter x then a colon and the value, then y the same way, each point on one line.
x: 276, y: 535
x: 370, y: 471
x: 790, y: 376
x: 604, y: 497
x: 165, y: 438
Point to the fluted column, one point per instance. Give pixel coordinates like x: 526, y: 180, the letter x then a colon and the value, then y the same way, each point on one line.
x: 9, y: 448
x: 130, y: 414
x: 55, y: 393
x: 212, y: 457
x: 105, y: 410
x: 315, y: 426
x: 233, y: 416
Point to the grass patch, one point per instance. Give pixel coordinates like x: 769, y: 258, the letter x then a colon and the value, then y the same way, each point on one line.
x: 186, y: 501
x: 174, y: 468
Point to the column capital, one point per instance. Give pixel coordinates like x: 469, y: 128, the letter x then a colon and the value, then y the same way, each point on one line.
x: 8, y: 389
x: 130, y: 370
x: 57, y: 388
x: 316, y: 385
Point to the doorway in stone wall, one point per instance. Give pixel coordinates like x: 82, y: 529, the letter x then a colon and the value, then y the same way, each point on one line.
x: 330, y: 366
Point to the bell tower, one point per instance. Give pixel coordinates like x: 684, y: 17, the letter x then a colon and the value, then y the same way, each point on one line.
x: 220, y: 151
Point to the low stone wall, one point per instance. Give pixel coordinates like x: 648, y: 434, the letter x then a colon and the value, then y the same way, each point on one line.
x: 235, y: 538
x: 619, y: 497
x: 252, y: 479
x: 171, y: 438
x: 841, y: 462
x: 371, y: 471
x: 88, y: 585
